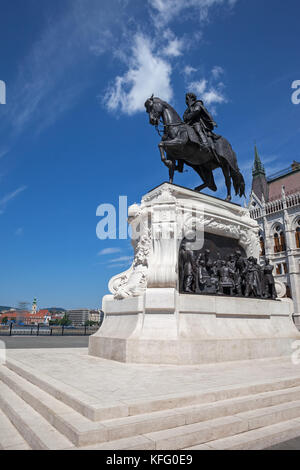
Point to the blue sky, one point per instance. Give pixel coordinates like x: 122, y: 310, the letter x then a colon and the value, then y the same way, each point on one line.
x: 74, y: 133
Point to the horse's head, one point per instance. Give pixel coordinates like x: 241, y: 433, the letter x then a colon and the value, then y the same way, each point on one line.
x: 154, y: 107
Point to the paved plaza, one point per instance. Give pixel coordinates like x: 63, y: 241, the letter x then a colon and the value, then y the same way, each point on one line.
x: 90, y: 403
x: 116, y: 383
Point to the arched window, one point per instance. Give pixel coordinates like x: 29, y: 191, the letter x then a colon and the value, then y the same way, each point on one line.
x: 282, y: 242
x: 276, y: 243
x: 297, y: 235
x: 278, y: 269
x: 279, y: 240
x: 262, y: 246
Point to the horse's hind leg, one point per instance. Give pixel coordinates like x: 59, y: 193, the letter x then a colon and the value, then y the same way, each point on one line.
x: 226, y: 173
x: 207, y: 176
x: 199, y: 188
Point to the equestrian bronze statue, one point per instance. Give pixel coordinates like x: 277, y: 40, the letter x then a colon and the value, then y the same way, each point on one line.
x: 193, y: 142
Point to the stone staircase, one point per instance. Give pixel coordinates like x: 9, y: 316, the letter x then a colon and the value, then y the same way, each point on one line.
x: 42, y: 414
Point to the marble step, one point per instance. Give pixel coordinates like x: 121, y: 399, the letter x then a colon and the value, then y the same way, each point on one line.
x: 91, y: 409
x: 34, y: 429
x: 10, y: 438
x: 177, y: 438
x: 273, y: 405
x: 257, y: 439
x: 227, y: 431
x: 203, y: 433
x: 271, y: 415
x: 129, y: 443
x: 81, y: 431
x: 77, y: 428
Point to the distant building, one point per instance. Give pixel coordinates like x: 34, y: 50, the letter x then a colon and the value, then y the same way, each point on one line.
x: 45, y: 314
x: 10, y: 315
x: 27, y: 318
x: 78, y: 317
x: 275, y: 204
x: 95, y: 316
x: 57, y: 316
x: 15, y: 316
x: 34, y: 307
x: 36, y: 319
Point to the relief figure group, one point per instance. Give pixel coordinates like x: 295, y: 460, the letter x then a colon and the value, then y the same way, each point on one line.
x: 232, y: 275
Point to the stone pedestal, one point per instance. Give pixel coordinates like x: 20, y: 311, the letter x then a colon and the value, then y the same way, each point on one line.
x: 147, y: 320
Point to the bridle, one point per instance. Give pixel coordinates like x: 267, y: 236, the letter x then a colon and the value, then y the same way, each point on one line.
x: 166, y: 125
x: 157, y: 116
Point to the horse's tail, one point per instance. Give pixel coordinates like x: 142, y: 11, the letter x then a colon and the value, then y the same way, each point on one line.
x: 225, y: 150
x: 238, y: 181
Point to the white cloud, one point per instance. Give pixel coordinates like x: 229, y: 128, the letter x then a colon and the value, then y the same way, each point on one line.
x: 198, y: 87
x: 119, y: 265
x: 217, y: 71
x: 55, y: 71
x: 9, y: 197
x: 109, y: 251
x: 214, y: 96
x: 210, y: 90
x: 121, y: 258
x: 174, y: 48
x: 188, y: 70
x: 167, y: 10
x: 148, y: 73
x: 99, y: 46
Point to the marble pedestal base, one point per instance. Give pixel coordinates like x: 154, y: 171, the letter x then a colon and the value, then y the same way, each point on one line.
x: 147, y: 320
x: 165, y: 327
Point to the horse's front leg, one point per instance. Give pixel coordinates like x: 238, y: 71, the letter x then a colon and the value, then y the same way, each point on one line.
x: 168, y: 163
x: 162, y: 152
x: 171, y: 171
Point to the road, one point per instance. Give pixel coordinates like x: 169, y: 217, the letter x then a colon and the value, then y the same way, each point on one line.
x: 33, y: 342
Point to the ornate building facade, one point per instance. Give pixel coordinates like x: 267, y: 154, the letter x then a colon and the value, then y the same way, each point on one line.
x: 275, y: 204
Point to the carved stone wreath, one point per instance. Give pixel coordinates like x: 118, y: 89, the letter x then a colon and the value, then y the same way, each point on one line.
x: 134, y: 281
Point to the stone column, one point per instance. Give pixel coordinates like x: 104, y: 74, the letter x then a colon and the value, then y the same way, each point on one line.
x: 268, y: 239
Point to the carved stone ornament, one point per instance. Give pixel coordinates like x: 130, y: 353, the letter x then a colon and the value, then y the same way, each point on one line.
x: 133, y: 282
x: 165, y: 216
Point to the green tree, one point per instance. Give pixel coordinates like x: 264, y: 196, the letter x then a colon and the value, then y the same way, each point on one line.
x: 65, y: 321
x: 4, y: 320
x: 91, y: 323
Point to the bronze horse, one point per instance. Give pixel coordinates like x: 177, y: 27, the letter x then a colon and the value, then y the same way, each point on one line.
x: 180, y: 145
